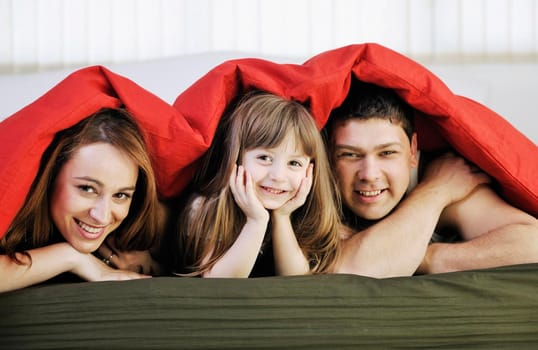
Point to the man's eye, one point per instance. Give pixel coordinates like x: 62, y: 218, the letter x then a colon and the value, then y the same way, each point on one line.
x: 347, y: 155
x: 387, y: 153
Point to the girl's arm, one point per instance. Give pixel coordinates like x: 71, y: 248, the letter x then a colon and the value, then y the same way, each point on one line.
x: 239, y: 260
x: 289, y: 258
x: 52, y: 260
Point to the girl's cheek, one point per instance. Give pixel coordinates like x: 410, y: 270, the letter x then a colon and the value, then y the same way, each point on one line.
x: 299, y: 180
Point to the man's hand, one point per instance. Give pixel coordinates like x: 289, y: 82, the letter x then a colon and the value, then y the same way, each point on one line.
x: 453, y: 177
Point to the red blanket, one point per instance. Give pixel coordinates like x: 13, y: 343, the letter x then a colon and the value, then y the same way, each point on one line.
x: 178, y: 135
x: 173, y: 144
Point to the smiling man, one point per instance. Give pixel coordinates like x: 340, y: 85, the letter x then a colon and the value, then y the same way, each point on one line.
x: 388, y: 226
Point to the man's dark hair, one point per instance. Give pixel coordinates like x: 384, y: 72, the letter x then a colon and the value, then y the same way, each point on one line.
x: 366, y: 101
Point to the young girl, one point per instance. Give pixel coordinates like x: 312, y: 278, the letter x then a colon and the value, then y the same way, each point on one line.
x: 95, y: 180
x: 264, y: 181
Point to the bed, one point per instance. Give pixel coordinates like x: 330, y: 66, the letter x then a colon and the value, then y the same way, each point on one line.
x: 494, y: 308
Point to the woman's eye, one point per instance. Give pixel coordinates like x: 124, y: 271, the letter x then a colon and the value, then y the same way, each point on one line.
x: 86, y: 188
x: 123, y: 196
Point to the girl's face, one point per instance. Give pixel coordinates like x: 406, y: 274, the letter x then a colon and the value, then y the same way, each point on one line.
x: 92, y: 194
x: 277, y: 172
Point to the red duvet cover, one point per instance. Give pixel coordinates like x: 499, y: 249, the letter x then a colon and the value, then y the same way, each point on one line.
x: 178, y: 134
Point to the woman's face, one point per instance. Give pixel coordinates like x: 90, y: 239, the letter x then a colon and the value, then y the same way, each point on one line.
x: 92, y: 194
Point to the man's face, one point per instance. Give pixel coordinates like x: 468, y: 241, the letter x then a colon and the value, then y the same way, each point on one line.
x: 373, y: 161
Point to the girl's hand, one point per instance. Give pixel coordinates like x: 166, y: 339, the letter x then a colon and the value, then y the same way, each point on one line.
x: 300, y: 196
x: 245, y: 195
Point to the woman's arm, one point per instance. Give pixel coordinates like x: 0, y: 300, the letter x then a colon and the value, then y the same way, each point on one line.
x: 52, y: 260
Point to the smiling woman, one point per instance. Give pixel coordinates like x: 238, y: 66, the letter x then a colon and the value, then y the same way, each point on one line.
x: 92, y: 194
x: 95, y: 180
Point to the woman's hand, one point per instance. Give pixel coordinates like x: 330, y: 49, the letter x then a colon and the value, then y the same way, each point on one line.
x: 139, y: 261
x: 91, y: 268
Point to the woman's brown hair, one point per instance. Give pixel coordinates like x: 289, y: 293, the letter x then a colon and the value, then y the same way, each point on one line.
x: 33, y: 226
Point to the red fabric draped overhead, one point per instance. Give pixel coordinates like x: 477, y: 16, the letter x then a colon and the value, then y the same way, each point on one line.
x: 179, y: 134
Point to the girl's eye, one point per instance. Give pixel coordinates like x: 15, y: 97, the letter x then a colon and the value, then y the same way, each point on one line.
x: 264, y: 157
x: 296, y: 163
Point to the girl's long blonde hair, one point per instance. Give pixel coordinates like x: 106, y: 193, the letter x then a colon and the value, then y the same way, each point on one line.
x: 211, y: 221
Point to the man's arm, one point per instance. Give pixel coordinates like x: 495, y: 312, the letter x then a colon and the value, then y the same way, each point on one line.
x: 395, y: 246
x: 494, y: 233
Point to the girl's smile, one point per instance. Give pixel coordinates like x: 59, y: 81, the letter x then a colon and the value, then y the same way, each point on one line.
x: 276, y: 172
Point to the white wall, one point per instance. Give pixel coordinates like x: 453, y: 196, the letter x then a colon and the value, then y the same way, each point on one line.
x: 40, y: 34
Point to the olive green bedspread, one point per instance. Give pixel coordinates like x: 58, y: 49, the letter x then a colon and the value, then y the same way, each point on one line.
x: 488, y: 309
